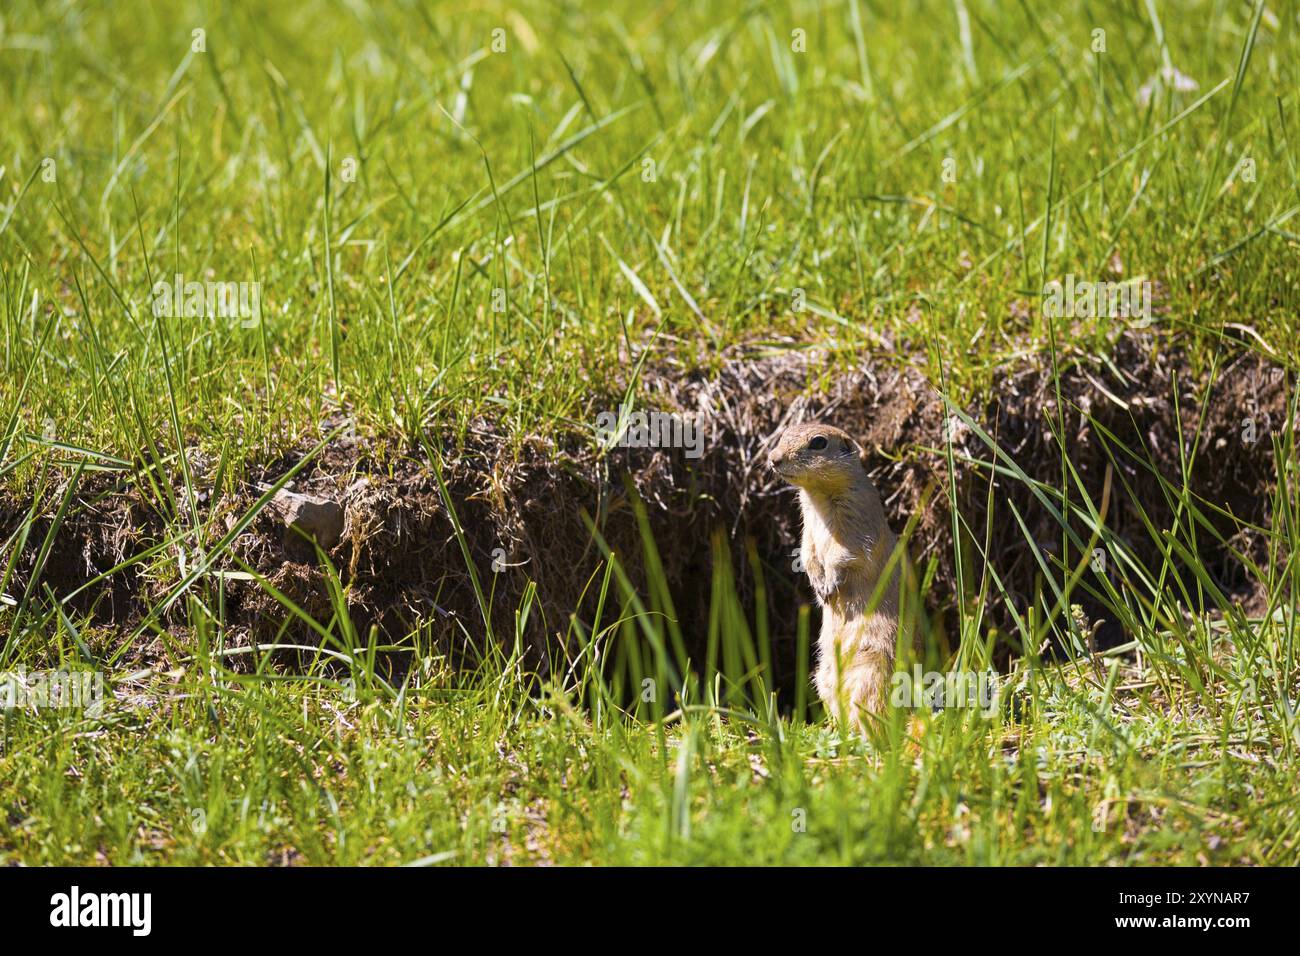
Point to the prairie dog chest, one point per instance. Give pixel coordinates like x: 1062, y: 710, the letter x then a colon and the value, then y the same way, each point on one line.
x: 828, y: 561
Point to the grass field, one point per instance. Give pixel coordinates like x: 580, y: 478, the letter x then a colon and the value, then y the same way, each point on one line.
x: 464, y: 231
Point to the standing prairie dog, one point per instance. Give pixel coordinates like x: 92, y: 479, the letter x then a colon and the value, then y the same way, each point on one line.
x: 847, y: 545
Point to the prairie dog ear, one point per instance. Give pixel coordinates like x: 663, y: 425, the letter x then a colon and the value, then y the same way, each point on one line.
x: 863, y: 455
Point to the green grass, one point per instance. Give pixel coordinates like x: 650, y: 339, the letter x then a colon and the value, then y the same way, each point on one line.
x: 520, y: 226
x: 195, y: 769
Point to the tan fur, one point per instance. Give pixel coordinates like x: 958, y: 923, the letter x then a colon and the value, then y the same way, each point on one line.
x: 846, y: 547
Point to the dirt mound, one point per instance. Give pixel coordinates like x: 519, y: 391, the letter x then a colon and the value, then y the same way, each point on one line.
x: 1139, y: 408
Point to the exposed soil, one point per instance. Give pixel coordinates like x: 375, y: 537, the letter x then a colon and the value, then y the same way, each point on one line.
x: 525, y: 510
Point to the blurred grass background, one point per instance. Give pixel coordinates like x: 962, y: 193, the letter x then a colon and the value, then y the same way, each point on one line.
x: 500, y: 225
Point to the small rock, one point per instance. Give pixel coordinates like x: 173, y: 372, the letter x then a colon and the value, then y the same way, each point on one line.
x: 317, y: 518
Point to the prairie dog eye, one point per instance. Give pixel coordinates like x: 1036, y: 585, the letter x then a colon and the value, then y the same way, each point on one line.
x: 818, y: 443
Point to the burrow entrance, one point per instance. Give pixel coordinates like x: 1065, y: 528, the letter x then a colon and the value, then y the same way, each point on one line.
x: 524, y: 511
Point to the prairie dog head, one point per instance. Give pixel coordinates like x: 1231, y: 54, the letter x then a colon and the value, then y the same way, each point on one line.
x: 821, y: 459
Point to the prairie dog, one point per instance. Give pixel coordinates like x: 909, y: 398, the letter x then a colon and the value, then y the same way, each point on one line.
x: 846, y: 547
